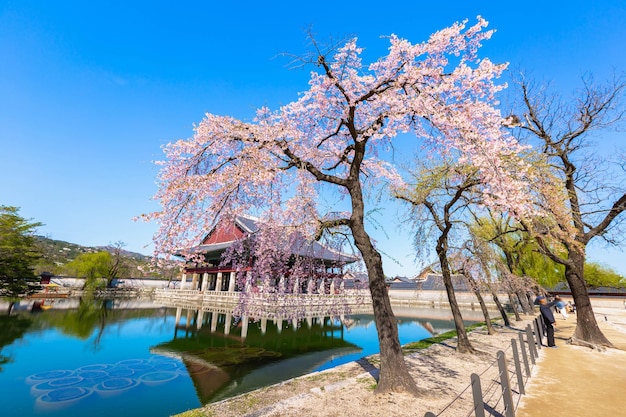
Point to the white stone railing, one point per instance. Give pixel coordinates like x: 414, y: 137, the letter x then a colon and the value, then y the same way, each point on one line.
x: 225, y: 300
x: 171, y: 294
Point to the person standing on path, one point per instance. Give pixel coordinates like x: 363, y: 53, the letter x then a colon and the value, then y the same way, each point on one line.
x: 548, y: 318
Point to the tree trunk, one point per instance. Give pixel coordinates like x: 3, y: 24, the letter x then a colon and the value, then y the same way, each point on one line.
x: 587, y: 332
x: 523, y: 300
x: 394, y: 375
x: 483, y: 308
x: 530, y: 299
x: 501, y: 309
x: 463, y: 344
x: 512, y: 298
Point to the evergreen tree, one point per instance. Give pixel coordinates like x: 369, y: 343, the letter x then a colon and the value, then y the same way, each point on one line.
x: 18, y: 253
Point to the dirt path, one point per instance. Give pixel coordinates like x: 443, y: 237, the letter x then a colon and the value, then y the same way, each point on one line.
x: 577, y: 381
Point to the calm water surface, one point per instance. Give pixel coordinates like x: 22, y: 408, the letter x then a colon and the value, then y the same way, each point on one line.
x: 129, y: 358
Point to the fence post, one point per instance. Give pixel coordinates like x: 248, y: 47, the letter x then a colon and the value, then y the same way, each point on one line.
x: 509, y: 409
x: 518, y: 368
x: 524, y: 355
x: 543, y: 325
x: 477, y: 393
x: 539, y: 333
x: 531, y: 344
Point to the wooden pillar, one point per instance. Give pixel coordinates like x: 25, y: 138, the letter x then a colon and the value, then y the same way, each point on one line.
x: 218, y: 283
x: 183, y: 281
x: 263, y: 325
x: 231, y: 282
x: 194, y: 281
x: 205, y: 281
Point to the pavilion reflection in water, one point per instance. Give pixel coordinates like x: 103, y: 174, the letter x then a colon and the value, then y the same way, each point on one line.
x: 227, y: 356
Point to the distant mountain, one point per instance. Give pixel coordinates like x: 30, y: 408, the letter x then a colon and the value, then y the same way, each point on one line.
x: 126, y: 253
x: 58, y: 253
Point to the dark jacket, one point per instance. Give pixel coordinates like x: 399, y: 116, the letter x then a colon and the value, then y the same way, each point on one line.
x: 546, y: 311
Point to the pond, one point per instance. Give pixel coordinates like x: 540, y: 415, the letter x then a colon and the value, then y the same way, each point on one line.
x: 130, y: 357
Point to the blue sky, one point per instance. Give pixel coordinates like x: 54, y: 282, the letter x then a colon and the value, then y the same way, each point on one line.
x: 90, y: 90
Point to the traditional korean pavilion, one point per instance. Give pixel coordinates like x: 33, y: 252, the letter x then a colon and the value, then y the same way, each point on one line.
x: 211, y: 275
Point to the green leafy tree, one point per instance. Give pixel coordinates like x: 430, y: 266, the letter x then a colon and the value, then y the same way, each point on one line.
x: 96, y: 268
x: 18, y: 254
x: 597, y: 275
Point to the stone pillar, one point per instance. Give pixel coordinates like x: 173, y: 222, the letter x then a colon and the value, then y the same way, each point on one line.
x: 279, y: 324
x: 213, y: 321
x: 218, y: 283
x: 229, y: 321
x: 322, y: 288
x: 310, y: 288
x: 183, y: 281
x: 205, y: 281
x: 244, y: 327
x: 189, y: 316
x: 296, y: 286
x: 194, y: 281
x: 179, y: 311
x: 263, y: 325
x: 200, y: 319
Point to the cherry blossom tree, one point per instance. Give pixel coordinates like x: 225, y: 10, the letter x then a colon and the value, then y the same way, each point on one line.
x: 336, y: 138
